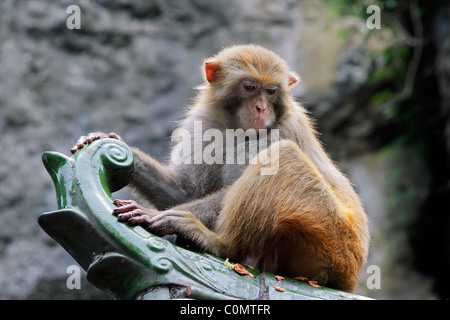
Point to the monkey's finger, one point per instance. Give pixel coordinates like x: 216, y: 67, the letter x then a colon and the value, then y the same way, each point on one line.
x: 80, y: 143
x: 130, y: 215
x: 139, y: 219
x: 121, y: 203
x: 92, y: 137
x: 125, y: 209
x: 114, y: 136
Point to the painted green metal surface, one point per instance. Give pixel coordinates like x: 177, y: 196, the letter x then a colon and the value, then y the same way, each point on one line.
x: 128, y: 262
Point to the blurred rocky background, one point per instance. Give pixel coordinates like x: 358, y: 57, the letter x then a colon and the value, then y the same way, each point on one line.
x: 381, y: 99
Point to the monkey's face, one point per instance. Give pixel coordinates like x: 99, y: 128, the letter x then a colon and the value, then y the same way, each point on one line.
x: 250, y: 85
x: 257, y: 105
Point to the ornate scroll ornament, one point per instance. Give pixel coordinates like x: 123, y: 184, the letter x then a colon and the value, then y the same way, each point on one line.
x: 85, y: 226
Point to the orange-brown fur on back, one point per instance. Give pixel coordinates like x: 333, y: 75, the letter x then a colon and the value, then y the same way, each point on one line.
x: 306, y: 229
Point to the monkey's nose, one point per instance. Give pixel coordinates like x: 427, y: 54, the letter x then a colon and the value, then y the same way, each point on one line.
x: 260, y: 108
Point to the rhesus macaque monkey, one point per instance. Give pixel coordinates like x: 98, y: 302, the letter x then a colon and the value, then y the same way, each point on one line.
x: 303, y: 220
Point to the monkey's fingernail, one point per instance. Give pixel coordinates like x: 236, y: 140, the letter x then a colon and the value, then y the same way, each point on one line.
x: 133, y: 221
x: 123, y: 217
x: 118, y: 211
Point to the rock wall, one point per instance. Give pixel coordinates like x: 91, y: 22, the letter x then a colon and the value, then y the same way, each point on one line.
x: 131, y: 69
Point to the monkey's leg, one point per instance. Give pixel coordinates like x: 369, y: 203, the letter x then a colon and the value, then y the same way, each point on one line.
x: 290, y: 223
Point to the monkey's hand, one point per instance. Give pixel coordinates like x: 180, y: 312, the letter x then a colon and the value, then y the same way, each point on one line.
x: 161, y: 223
x: 85, y: 140
x: 129, y: 210
x: 173, y: 221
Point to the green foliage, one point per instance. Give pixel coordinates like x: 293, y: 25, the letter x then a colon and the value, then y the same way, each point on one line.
x: 394, y: 105
x: 381, y: 97
x: 389, y: 64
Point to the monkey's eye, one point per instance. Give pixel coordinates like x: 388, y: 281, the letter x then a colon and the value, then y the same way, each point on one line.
x: 271, y: 91
x: 250, y: 87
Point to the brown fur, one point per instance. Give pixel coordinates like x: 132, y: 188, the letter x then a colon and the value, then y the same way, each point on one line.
x: 293, y: 222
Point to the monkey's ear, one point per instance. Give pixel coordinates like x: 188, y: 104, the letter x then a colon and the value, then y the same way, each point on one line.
x: 293, y: 78
x: 212, y: 70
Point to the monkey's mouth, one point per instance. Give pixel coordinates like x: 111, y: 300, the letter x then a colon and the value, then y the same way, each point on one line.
x: 256, y: 123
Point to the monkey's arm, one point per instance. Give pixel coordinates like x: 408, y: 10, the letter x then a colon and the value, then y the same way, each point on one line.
x: 156, y: 183
x: 194, y: 220
x: 205, y: 210
x: 151, y: 180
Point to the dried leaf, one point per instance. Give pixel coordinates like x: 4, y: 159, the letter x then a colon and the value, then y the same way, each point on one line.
x: 304, y: 279
x: 279, y: 289
x: 279, y: 278
x: 241, y: 270
x: 228, y: 264
x: 313, y: 284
